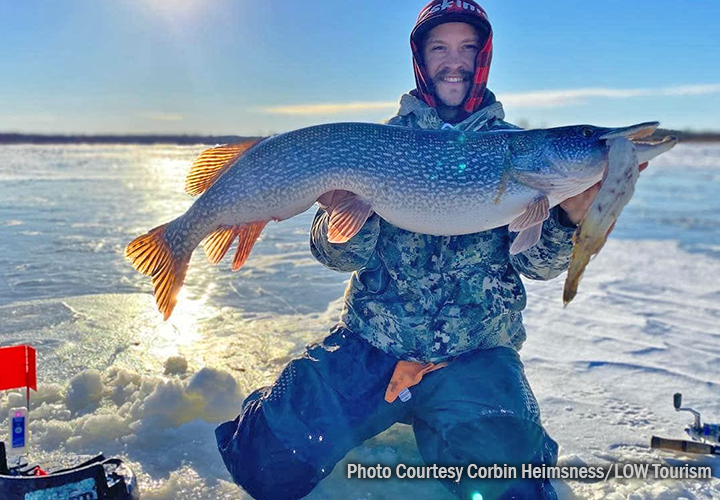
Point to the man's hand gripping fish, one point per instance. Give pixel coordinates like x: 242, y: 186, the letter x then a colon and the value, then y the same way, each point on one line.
x: 438, y: 182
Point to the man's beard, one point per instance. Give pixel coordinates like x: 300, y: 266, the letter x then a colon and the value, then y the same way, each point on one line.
x: 440, y: 75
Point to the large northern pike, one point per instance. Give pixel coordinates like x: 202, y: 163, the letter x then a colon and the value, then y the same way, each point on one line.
x: 439, y: 182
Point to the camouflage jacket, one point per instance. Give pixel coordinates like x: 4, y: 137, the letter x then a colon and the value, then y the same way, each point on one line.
x: 430, y: 298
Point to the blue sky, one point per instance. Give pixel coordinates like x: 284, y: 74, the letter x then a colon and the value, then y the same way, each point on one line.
x: 260, y: 67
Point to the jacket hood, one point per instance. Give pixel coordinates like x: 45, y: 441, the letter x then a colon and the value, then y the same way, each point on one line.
x: 447, y: 11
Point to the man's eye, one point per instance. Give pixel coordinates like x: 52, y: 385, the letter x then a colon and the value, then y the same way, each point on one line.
x: 437, y: 47
x: 471, y: 47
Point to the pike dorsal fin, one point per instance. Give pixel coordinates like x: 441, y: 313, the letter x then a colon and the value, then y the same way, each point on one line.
x: 212, y: 163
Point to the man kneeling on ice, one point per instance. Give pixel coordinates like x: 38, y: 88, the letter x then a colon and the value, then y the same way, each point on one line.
x: 431, y: 325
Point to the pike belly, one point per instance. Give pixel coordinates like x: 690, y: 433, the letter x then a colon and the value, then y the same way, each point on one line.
x: 456, y: 216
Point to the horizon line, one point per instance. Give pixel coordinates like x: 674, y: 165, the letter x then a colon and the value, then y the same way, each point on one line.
x: 535, y: 99
x: 10, y: 138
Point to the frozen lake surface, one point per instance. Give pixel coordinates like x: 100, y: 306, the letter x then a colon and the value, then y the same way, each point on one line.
x: 645, y: 324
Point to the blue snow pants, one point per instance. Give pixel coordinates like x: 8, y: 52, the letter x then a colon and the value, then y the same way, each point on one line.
x: 477, y: 410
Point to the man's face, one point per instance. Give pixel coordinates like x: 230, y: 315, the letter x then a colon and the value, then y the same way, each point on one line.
x: 449, y: 53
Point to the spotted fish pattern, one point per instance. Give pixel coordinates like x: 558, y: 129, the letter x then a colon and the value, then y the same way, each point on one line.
x: 429, y: 298
x: 480, y: 176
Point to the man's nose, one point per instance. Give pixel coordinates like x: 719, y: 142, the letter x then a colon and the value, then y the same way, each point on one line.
x: 454, y: 60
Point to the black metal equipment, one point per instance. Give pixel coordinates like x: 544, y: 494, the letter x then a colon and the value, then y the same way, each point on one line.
x: 96, y: 479
x: 705, y: 437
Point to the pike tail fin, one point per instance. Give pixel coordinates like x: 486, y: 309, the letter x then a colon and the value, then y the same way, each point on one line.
x: 152, y: 255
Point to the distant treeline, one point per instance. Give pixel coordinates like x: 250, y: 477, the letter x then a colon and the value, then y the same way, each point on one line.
x: 687, y: 135
x: 8, y: 138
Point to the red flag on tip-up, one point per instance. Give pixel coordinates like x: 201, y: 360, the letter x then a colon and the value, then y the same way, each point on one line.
x: 17, y: 367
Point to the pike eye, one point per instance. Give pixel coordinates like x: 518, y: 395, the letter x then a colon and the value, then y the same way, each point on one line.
x: 587, y: 132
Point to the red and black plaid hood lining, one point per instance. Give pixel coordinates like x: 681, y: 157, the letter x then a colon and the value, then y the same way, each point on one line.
x: 444, y: 11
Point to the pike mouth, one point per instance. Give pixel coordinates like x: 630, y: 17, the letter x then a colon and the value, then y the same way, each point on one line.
x: 661, y: 142
x: 632, y: 132
x: 645, y: 150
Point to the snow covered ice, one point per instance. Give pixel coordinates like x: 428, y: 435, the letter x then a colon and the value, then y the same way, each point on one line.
x: 113, y: 377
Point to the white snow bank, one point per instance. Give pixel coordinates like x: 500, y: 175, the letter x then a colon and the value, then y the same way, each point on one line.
x: 159, y: 424
x: 85, y: 388
x: 176, y: 365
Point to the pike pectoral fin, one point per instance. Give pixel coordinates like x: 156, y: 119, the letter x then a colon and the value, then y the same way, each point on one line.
x: 526, y: 239
x: 348, y: 218
x: 219, y: 241
x: 529, y: 224
x: 503, y: 186
x: 535, y: 213
x: 556, y: 185
x: 212, y: 163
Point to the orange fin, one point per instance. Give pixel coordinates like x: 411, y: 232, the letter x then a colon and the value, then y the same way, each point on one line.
x: 348, y: 218
x: 212, y: 163
x: 248, y: 234
x: 151, y: 255
x: 218, y: 242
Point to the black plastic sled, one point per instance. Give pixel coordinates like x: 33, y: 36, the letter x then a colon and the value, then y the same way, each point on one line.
x: 99, y: 478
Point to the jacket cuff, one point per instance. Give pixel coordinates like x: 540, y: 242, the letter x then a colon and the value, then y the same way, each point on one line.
x: 564, y: 220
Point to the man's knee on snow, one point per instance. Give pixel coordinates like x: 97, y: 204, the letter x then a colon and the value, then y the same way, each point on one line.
x: 257, y: 460
x: 503, y: 439
x: 487, y: 441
